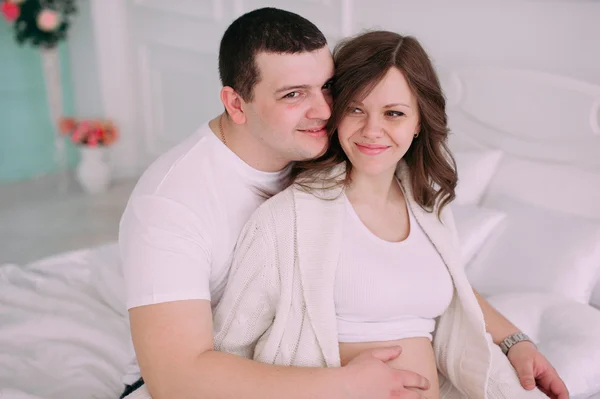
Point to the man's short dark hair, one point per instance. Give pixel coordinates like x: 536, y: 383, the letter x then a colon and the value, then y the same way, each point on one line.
x: 266, y: 29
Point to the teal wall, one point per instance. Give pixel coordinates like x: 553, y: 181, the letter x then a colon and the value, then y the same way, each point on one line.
x: 26, y: 135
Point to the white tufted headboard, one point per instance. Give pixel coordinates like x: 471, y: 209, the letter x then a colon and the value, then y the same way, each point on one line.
x: 548, y: 127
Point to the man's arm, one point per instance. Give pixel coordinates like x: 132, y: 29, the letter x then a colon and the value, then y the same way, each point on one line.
x: 497, y: 325
x: 173, y: 342
x: 174, y: 346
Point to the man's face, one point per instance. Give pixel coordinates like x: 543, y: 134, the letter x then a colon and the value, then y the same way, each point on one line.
x: 292, y: 103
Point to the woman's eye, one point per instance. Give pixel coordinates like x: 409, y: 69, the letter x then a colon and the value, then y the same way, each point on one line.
x: 395, y: 114
x: 354, y: 110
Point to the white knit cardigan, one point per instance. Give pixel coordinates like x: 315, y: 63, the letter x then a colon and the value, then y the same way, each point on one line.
x: 278, y: 306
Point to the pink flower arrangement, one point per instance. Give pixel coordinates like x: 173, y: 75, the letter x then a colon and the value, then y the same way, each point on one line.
x: 89, y: 133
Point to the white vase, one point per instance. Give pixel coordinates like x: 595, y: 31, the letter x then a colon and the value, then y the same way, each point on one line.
x: 93, y: 173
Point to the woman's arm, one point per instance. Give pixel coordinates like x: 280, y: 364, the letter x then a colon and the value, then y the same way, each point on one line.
x: 496, y: 324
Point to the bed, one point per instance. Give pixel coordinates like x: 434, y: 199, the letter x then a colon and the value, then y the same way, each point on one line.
x: 64, y: 331
x: 527, y: 145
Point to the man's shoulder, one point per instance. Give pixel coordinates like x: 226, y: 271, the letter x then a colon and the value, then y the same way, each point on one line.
x: 181, y: 179
x: 181, y: 168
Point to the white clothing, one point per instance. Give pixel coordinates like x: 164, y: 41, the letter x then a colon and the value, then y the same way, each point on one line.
x: 179, y: 228
x: 278, y: 305
x: 388, y: 290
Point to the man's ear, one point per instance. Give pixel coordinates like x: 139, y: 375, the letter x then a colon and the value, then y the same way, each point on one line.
x: 233, y: 103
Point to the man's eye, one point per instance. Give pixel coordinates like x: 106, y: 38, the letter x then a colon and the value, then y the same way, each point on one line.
x: 293, y: 94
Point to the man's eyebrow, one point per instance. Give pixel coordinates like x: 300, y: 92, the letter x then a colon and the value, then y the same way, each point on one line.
x: 385, y: 106
x: 300, y: 87
x: 294, y: 87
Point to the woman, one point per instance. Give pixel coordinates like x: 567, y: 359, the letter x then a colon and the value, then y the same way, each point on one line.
x: 360, y: 250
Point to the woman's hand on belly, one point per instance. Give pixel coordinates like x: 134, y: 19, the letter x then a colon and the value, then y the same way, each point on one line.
x: 417, y: 355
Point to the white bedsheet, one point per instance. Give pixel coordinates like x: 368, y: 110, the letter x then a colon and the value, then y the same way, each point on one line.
x: 63, y: 329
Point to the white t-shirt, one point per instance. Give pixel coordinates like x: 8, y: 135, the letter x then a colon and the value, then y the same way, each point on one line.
x: 385, y: 290
x: 182, y: 221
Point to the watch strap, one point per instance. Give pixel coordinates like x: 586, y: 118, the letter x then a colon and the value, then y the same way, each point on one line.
x: 513, y: 339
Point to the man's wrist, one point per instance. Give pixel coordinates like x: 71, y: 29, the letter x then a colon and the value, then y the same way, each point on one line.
x: 337, y: 380
x: 513, y: 339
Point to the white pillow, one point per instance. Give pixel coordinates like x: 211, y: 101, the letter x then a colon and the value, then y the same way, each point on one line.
x: 475, y: 171
x: 538, y: 250
x: 474, y: 225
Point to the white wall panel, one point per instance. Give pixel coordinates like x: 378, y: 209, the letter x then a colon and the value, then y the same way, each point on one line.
x: 175, y: 46
x: 160, y: 62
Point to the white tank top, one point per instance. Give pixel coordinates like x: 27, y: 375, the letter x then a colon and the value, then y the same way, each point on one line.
x: 388, y: 290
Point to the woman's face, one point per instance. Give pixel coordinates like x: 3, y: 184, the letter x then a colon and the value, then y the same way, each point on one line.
x: 376, y: 133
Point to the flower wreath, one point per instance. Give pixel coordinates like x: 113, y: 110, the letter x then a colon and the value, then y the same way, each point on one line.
x: 43, y: 23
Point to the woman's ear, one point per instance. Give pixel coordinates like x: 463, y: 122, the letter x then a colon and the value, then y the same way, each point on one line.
x: 233, y: 103
x: 417, y: 131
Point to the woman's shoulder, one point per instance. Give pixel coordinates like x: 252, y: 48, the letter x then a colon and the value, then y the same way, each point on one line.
x: 277, y: 208
x: 281, y: 208
x: 324, y: 184
x: 271, y: 223
x: 282, y: 201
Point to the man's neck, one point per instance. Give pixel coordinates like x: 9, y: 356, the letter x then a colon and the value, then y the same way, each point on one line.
x: 246, y: 147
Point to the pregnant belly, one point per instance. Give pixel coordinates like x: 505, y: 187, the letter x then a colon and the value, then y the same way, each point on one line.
x: 417, y: 355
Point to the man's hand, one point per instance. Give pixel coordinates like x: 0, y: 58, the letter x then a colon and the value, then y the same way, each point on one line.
x: 532, y: 367
x: 367, y: 376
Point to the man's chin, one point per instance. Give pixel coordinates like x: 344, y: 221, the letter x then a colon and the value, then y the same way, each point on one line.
x: 318, y: 152
x: 307, y: 150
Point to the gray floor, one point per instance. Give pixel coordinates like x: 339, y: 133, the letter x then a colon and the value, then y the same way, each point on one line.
x: 43, y: 217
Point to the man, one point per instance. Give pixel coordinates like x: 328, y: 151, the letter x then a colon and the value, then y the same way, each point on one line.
x: 183, y: 219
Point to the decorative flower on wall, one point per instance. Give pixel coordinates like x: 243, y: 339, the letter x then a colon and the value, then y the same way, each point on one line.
x: 42, y: 23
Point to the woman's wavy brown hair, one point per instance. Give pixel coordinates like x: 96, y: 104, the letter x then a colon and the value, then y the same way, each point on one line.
x: 362, y: 62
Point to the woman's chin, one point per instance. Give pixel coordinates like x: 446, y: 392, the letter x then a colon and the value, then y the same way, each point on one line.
x: 374, y: 170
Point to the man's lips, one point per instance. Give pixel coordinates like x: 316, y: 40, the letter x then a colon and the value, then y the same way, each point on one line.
x: 315, y: 132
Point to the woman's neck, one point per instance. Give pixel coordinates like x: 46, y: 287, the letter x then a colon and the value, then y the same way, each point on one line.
x: 371, y: 190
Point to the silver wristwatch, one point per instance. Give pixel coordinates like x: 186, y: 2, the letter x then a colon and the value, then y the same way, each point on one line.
x: 509, y: 341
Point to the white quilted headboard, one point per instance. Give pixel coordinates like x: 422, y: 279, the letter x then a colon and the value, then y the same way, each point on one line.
x: 548, y: 126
